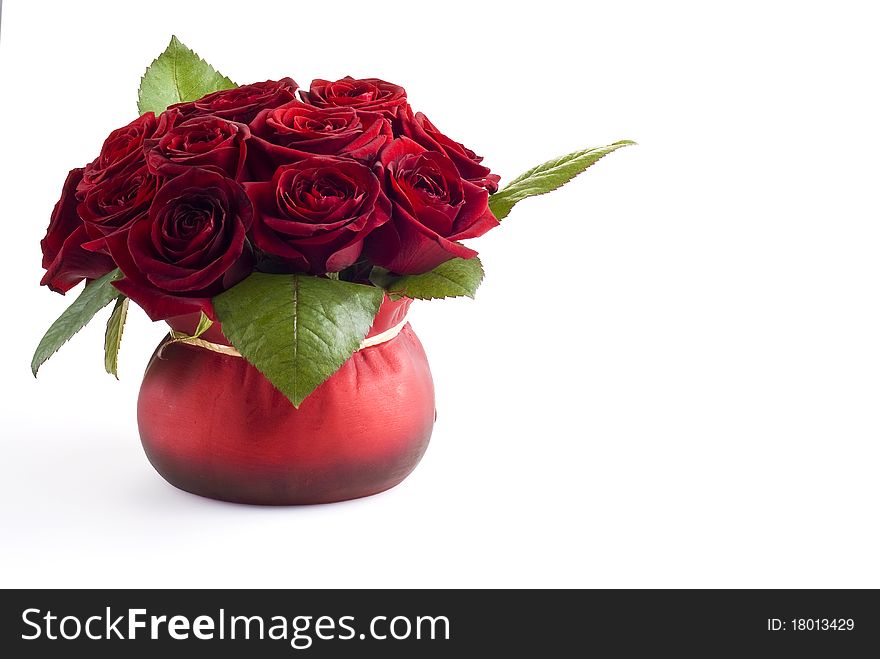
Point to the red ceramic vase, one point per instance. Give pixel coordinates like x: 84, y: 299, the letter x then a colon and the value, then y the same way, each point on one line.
x: 212, y: 425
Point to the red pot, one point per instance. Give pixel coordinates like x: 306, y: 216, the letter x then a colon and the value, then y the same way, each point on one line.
x: 212, y: 425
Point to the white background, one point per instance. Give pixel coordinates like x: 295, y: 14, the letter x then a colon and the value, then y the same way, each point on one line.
x: 670, y: 377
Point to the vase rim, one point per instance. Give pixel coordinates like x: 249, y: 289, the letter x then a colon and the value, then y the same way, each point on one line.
x: 391, y: 312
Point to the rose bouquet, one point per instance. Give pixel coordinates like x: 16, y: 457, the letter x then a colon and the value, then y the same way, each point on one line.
x: 281, y: 233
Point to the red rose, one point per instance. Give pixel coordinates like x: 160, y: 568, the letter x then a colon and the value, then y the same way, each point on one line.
x: 241, y: 103
x: 114, y: 203
x: 122, y: 149
x: 64, y: 259
x: 418, y: 128
x: 203, y: 141
x: 368, y: 94
x: 316, y: 213
x: 188, y: 248
x: 295, y: 131
x: 433, y: 208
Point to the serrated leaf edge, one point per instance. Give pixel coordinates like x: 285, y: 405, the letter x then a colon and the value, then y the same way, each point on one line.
x: 503, y: 201
x: 106, y: 279
x: 113, y: 334
x: 297, y: 397
x: 176, y: 44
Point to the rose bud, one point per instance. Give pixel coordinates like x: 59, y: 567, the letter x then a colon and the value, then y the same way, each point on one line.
x: 241, y: 103
x: 433, y: 208
x: 316, y: 213
x: 190, y: 246
x: 64, y: 259
x: 368, y: 94
x: 202, y: 141
x: 296, y: 131
x: 418, y: 128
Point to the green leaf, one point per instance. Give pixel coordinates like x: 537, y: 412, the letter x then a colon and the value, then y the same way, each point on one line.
x: 178, y: 75
x: 113, y: 336
x: 545, y: 178
x: 297, y: 330
x: 203, y: 326
x: 94, y: 297
x: 455, y: 278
